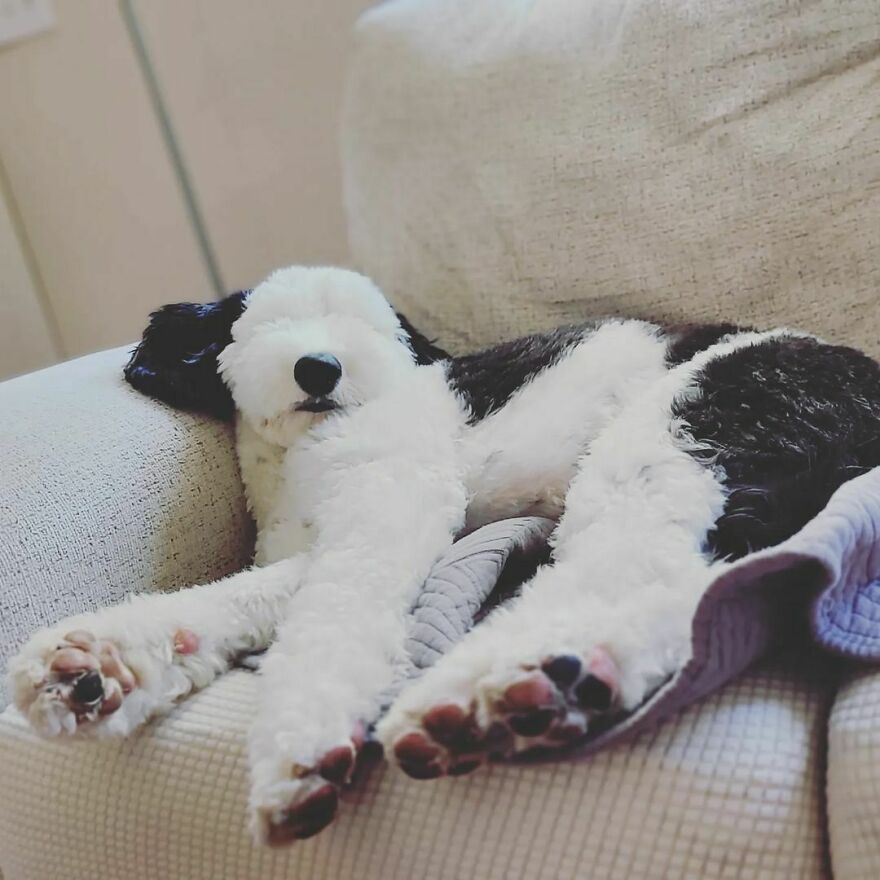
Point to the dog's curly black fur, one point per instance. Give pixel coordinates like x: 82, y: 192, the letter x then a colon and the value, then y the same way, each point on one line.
x: 788, y: 421
x: 176, y: 360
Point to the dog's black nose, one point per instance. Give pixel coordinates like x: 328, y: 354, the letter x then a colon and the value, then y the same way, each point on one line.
x: 317, y: 374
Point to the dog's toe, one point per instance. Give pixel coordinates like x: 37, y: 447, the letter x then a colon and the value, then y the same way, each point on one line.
x: 419, y: 757
x: 313, y: 812
x: 337, y: 765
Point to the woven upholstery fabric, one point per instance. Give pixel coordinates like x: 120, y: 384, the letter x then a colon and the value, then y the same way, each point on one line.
x: 104, y: 493
x: 731, y: 788
x: 854, y: 778
x: 515, y: 165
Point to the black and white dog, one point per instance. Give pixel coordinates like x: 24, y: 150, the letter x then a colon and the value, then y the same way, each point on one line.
x: 665, y: 452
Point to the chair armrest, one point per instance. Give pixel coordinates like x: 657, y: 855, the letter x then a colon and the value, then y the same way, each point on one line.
x: 104, y: 493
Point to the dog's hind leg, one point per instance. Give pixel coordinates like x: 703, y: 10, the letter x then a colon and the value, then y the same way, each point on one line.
x: 603, y: 626
x: 108, y: 671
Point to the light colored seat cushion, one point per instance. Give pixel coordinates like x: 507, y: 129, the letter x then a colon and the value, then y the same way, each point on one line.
x: 104, y: 493
x: 515, y: 165
x: 854, y: 777
x: 731, y: 788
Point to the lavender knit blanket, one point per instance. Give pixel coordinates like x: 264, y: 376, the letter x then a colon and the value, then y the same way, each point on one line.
x: 823, y: 584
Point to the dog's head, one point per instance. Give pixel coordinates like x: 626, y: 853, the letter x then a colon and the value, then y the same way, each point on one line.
x: 304, y: 342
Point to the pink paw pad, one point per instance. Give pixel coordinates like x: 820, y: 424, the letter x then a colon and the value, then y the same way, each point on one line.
x: 89, y: 675
x: 185, y: 642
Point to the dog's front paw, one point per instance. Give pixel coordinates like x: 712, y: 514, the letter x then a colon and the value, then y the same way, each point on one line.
x: 304, y: 800
x: 67, y: 681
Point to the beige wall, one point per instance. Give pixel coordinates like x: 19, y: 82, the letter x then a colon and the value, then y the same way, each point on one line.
x: 27, y: 341
x: 252, y: 92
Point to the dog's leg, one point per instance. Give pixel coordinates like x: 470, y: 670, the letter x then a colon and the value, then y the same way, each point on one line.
x: 385, y: 520
x: 108, y: 671
x: 343, y: 645
x: 602, y: 627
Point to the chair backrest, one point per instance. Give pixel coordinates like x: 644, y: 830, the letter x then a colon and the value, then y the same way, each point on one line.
x: 515, y: 164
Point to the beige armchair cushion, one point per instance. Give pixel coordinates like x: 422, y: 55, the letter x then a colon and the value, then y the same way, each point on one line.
x: 731, y: 788
x: 104, y: 493
x: 854, y: 777
x: 515, y: 165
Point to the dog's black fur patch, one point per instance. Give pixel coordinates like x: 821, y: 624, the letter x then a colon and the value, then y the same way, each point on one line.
x: 788, y: 420
x: 426, y: 350
x: 176, y: 360
x: 487, y: 379
x: 687, y: 340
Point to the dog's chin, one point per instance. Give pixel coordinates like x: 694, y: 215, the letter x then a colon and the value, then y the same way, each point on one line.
x: 316, y: 405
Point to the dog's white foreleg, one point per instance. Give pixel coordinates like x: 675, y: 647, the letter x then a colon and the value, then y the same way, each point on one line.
x: 391, y: 499
x: 110, y: 670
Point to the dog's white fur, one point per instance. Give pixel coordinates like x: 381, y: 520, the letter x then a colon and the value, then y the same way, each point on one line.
x: 353, y: 508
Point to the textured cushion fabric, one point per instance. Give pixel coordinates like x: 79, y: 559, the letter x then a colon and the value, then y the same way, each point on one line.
x: 105, y: 492
x: 854, y: 778
x: 515, y: 165
x: 731, y: 788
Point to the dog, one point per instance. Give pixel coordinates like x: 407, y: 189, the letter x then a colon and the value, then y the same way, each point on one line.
x: 665, y: 452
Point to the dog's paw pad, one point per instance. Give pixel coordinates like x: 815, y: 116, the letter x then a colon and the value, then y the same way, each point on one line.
x: 418, y: 757
x: 527, y: 695
x: 450, y: 742
x: 546, y: 703
x: 598, y: 690
x: 314, y: 791
x: 314, y: 810
x: 563, y: 670
x: 529, y: 705
x: 451, y: 726
x: 82, y: 679
x: 337, y: 765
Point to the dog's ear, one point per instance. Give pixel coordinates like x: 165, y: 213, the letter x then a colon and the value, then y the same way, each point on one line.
x: 424, y: 349
x: 176, y: 361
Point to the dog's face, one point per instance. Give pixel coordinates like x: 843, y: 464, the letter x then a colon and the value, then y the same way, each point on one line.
x: 311, y: 341
x: 305, y: 342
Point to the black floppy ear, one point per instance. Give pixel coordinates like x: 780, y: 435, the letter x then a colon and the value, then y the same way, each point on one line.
x: 423, y: 348
x: 176, y: 360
